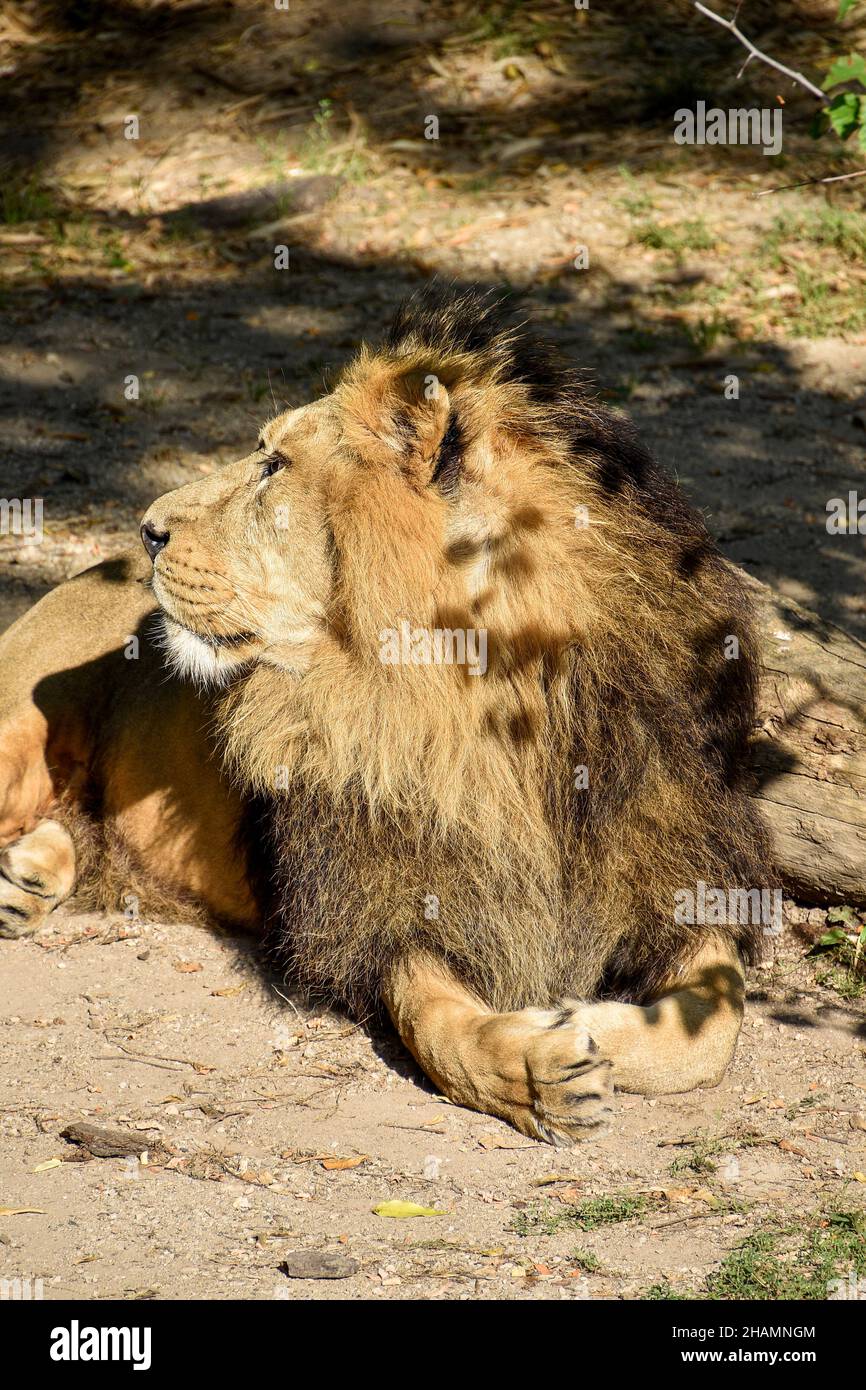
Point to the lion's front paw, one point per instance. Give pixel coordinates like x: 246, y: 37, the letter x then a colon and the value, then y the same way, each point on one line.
x: 21, y: 912
x: 36, y: 873
x: 570, y: 1083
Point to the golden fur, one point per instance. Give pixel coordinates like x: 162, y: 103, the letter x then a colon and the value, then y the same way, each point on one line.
x: 423, y: 830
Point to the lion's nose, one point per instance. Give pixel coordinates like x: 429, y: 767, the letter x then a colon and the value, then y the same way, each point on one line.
x: 154, y: 541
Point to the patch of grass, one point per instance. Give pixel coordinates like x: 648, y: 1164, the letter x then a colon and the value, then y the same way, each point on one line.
x: 830, y: 295
x: 824, y: 309
x: 276, y: 155
x: 827, y: 229
x: 843, y: 945
x: 844, y: 982
x: 781, y: 1262
x: 806, y: 1102
x: 664, y: 1292
x: 703, y: 1149
x: 115, y: 256
x: 316, y: 151
x: 547, y: 1218
x: 706, y: 331
x: 636, y: 202
x: 700, y: 1157
x: 510, y: 28
x: 586, y: 1260
x: 675, y: 238
x: 321, y: 154
x: 480, y: 183
x: 25, y: 200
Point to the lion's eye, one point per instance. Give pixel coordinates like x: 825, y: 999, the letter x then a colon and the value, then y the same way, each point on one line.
x: 272, y: 465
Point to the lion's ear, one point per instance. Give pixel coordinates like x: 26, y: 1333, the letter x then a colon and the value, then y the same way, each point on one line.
x: 403, y: 417
x: 422, y: 418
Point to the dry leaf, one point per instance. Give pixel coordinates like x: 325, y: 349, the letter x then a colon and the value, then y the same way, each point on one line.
x: 22, y: 1211
x: 229, y: 992
x: 678, y: 1194
x: 703, y: 1194
x: 789, y: 1147
x: 570, y: 1196
x: 859, y: 1177
x: 688, y: 1194
x: 495, y: 1141
x: 401, y: 1210
x: 49, y: 1163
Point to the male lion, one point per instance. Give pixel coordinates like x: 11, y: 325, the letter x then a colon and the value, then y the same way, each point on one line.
x: 490, y: 847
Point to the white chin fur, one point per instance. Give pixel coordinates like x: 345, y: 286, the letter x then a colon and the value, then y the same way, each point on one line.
x: 192, y: 658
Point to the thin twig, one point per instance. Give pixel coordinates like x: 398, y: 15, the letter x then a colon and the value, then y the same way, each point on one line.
x: 833, y: 178
x: 109, y: 1057
x: 154, y: 1059
x: 731, y: 26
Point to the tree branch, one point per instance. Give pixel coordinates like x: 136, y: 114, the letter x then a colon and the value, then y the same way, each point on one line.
x: 731, y: 26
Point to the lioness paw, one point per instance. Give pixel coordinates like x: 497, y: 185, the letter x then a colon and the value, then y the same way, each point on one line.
x: 570, y: 1083
x: 36, y: 873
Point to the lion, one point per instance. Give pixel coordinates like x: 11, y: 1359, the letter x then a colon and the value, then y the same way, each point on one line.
x: 446, y: 692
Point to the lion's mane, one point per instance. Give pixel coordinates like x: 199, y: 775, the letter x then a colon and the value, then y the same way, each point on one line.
x: 421, y: 809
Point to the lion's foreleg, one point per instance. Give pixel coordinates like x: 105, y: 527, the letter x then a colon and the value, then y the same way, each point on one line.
x: 536, y: 1068
x: 686, y: 1038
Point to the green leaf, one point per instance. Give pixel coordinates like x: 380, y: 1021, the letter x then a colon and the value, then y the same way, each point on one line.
x: 844, y: 7
x: 850, y: 69
x: 829, y: 941
x: 844, y: 114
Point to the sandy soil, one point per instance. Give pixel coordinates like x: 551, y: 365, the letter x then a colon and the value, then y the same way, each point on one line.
x: 243, y: 1098
x: 155, y: 257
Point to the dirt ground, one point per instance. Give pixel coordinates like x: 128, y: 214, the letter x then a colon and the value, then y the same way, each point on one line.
x: 241, y: 1100
x: 154, y: 258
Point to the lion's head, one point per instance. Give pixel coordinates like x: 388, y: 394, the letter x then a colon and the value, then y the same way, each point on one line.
x: 457, y: 613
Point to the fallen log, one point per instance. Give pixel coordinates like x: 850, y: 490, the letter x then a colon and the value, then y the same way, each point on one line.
x: 810, y: 749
